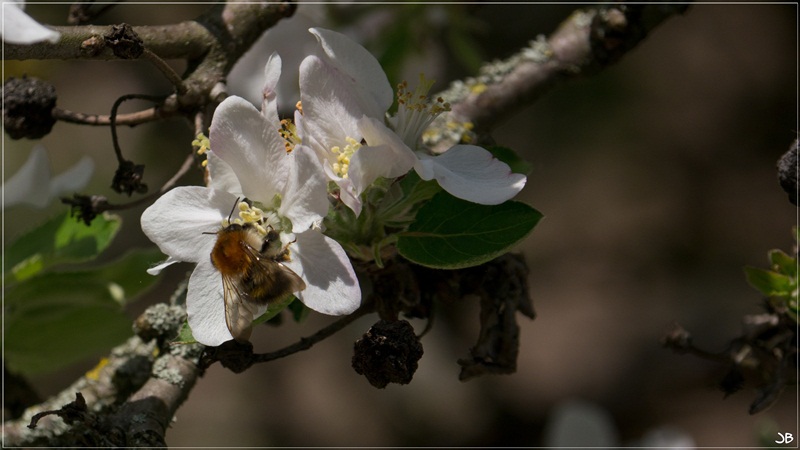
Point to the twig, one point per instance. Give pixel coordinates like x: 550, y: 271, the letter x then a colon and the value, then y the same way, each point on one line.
x: 239, y: 356
x: 112, y: 118
x: 165, y: 69
x: 130, y: 119
x: 308, y: 342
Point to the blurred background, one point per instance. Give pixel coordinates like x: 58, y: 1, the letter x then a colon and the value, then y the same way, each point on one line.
x: 657, y: 181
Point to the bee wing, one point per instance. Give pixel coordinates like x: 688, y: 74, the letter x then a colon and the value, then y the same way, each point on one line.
x: 270, y: 281
x: 239, y: 313
x: 267, y: 281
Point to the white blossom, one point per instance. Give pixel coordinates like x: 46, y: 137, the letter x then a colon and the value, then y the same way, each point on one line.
x: 345, y: 97
x: 248, y: 159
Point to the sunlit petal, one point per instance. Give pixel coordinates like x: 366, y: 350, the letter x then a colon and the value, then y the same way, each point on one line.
x: 331, y: 284
x: 242, y: 137
x: 355, y: 63
x: 180, y: 221
x: 471, y: 173
x: 205, y: 305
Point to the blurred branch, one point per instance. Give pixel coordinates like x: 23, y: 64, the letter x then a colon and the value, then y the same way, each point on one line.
x: 584, y: 44
x: 128, y: 399
x: 787, y: 172
x: 211, y: 44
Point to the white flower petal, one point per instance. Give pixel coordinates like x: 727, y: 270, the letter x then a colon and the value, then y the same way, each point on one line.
x: 471, y: 173
x: 330, y: 108
x: 331, y: 284
x: 385, y: 155
x: 347, y: 192
x: 221, y: 177
x: 30, y: 184
x: 19, y: 28
x: 242, y: 137
x: 357, y: 64
x: 205, y: 306
x: 272, y: 74
x: 306, y: 198
x: 73, y: 179
x: 180, y: 220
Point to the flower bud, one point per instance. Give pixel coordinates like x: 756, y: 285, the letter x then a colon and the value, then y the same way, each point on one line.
x: 28, y: 106
x: 387, y: 353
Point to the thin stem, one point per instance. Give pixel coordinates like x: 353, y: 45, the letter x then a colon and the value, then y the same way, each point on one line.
x: 165, y: 69
x: 113, y: 117
x: 131, y: 119
x: 308, y: 342
x: 199, y: 123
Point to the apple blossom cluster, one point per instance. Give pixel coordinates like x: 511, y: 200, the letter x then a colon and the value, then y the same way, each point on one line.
x: 339, y: 158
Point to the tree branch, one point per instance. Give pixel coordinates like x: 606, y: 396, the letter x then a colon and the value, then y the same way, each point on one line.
x: 131, y: 396
x: 212, y: 44
x: 584, y: 44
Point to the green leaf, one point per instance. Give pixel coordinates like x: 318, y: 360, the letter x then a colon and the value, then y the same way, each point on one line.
x: 57, y: 318
x: 783, y: 263
x: 510, y: 157
x: 299, y: 311
x: 768, y: 282
x: 61, y: 335
x: 185, y: 335
x: 60, y: 240
x: 450, y: 233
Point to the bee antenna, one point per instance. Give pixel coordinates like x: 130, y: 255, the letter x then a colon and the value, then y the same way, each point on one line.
x: 233, y: 209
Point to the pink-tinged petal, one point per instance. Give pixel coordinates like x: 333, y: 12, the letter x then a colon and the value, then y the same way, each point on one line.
x: 347, y: 192
x: 205, y: 305
x: 269, y: 103
x: 242, y: 137
x: 330, y: 108
x: 355, y: 63
x: 349, y: 197
x: 331, y: 284
x: 385, y: 155
x: 306, y: 198
x: 19, y: 28
x: 471, y: 173
x: 180, y: 220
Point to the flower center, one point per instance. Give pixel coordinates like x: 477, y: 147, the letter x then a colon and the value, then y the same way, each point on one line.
x: 261, y: 217
x: 415, y: 111
x: 343, y: 155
